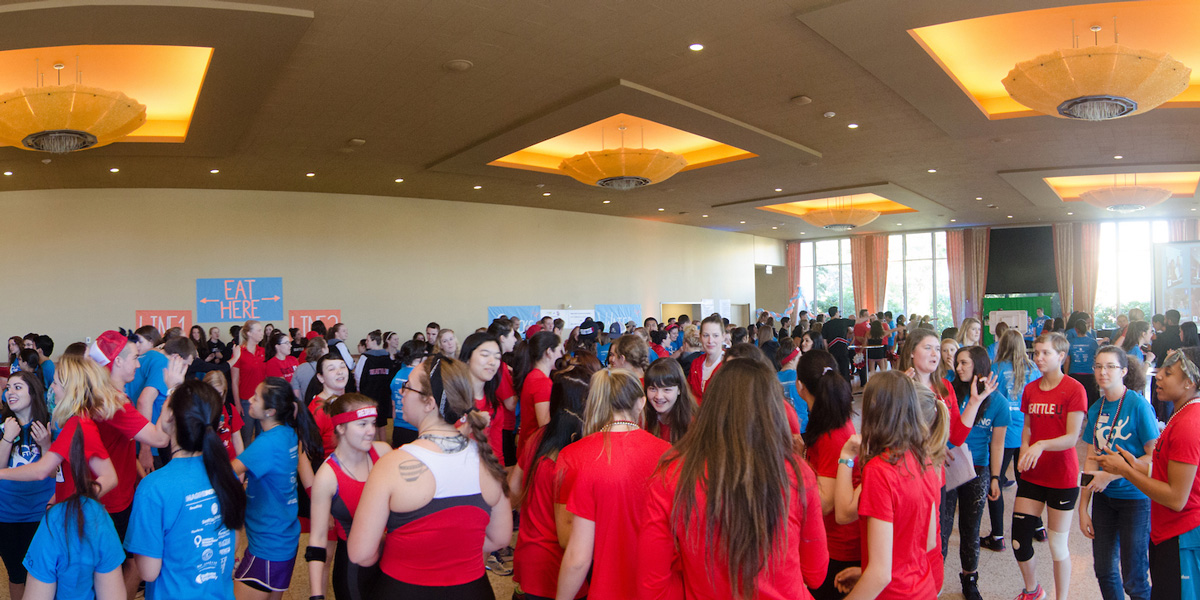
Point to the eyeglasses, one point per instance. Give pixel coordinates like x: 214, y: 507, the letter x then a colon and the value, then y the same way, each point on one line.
x: 414, y: 390
x: 1099, y: 368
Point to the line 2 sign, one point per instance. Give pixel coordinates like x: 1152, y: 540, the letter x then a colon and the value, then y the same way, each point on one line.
x: 239, y: 299
x: 303, y: 319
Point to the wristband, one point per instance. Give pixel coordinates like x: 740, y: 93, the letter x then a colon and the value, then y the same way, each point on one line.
x: 315, y: 554
x: 316, y: 597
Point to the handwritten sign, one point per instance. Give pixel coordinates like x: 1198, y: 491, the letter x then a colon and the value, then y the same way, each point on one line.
x: 239, y: 299
x: 303, y: 319
x: 163, y: 320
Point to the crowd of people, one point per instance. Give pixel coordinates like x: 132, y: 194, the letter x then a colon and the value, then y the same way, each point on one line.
x: 661, y: 460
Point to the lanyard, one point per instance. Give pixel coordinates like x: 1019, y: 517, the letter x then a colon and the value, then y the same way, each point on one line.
x: 1112, y: 425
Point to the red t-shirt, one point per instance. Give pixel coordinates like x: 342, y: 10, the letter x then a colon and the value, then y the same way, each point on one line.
x: 534, y: 391
x: 324, y: 423
x: 696, y: 376
x: 495, y: 428
x: 117, y: 436
x: 537, y: 556
x: 609, y: 477
x: 284, y: 368
x: 231, y: 423
x: 1179, y: 442
x: 1046, y: 417
x: 507, y: 390
x: 861, y: 330
x: 905, y: 496
x: 672, y: 559
x: 958, y: 431
x: 823, y: 455
x: 93, y: 447
x: 251, y: 371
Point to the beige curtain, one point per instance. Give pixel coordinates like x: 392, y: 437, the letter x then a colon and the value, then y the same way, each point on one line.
x: 956, y: 260
x: 1184, y: 230
x: 1064, y: 271
x: 976, y: 242
x: 1089, y: 267
x: 868, y: 266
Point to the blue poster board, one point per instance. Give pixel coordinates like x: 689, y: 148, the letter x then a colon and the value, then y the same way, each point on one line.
x: 527, y: 314
x: 619, y: 313
x: 225, y: 299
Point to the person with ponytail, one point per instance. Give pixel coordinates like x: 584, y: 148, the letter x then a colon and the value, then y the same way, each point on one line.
x: 76, y: 552
x: 481, y: 353
x: 440, y: 504
x: 605, y: 479
x: 504, y: 332
x: 22, y: 503
x: 335, y: 494
x: 289, y: 442
x: 786, y: 358
x: 248, y: 368
x: 230, y: 429
x: 1118, y: 522
x: 830, y: 404
x: 632, y: 353
x: 975, y: 383
x: 903, y: 438
x: 412, y: 353
x: 543, y: 350
x: 545, y: 522
x: 732, y: 511
x: 196, y: 494
x: 712, y: 340
x: 670, y: 407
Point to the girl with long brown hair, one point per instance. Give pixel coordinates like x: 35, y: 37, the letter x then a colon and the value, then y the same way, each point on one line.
x: 450, y: 498
x: 670, y: 406
x: 733, y: 504
x: 605, y: 480
x: 921, y: 359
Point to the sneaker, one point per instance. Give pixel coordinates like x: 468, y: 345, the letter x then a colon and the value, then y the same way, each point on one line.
x: 1011, y: 483
x: 993, y: 543
x: 1039, y: 534
x: 497, y: 566
x: 970, y: 586
x: 1037, y: 594
x: 505, y: 553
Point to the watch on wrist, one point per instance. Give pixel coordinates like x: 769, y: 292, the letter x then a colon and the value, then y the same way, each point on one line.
x: 849, y: 462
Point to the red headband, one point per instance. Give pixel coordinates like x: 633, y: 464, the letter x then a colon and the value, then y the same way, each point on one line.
x: 354, y: 415
x: 791, y: 356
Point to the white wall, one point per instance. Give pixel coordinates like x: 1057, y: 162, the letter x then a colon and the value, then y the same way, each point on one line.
x: 82, y: 261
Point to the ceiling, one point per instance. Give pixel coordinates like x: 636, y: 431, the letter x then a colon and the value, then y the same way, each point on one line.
x: 291, y: 82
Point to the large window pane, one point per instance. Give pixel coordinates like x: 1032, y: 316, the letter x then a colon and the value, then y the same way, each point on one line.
x: 1160, y: 233
x: 806, y: 257
x: 920, y: 286
x: 806, y: 287
x: 943, y: 314
x: 894, y: 297
x: 847, y: 290
x: 827, y: 252
x: 1106, y: 280
x: 1135, y: 265
x: 939, y: 244
x: 920, y: 245
x: 828, y: 288
x: 846, y: 251
x: 895, y: 247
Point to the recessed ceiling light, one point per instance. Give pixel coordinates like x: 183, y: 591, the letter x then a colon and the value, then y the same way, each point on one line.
x: 829, y: 115
x: 696, y: 47
x: 779, y: 189
x: 310, y: 174
x: 607, y: 201
x: 114, y: 170
x: 931, y: 170
x: 214, y: 171
x: 1010, y: 216
x: 979, y: 197
x: 479, y: 187
x: 953, y: 220
x: 661, y: 209
x: 545, y: 193
x: 399, y: 180
x: 1070, y: 213
x: 7, y: 173
x: 705, y: 216
x: 1193, y: 210
x: 899, y: 224
x: 742, y: 222
x: 852, y: 126
x: 1118, y: 157
x: 778, y: 228
x: 803, y: 233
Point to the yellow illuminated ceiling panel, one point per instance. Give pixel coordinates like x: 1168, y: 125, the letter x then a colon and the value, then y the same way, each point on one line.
x: 1181, y: 184
x: 699, y: 151
x: 868, y: 201
x: 978, y: 53
x: 167, y: 79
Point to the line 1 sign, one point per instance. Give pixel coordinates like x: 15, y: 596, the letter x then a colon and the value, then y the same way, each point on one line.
x: 239, y: 299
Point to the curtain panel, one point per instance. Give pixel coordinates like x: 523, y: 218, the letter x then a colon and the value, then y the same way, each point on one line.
x: 1184, y: 230
x: 976, y: 243
x: 868, y: 266
x: 1064, y: 271
x: 792, y: 260
x: 1089, y: 267
x: 956, y: 261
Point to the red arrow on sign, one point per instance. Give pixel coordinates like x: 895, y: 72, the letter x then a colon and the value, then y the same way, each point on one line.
x: 271, y: 298
x: 206, y: 300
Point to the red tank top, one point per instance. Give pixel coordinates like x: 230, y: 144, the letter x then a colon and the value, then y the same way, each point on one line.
x: 345, y: 500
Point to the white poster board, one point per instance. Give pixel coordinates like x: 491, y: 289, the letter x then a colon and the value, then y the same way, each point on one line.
x: 724, y: 306
x: 708, y: 306
x: 572, y: 317
x: 1016, y: 319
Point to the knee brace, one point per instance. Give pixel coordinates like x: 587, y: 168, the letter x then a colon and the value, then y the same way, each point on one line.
x: 1059, y: 550
x: 1023, y: 526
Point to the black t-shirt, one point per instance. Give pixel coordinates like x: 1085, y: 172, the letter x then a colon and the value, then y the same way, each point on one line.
x: 217, y: 347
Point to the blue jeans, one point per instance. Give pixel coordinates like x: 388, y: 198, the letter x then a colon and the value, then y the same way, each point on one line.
x: 1127, y: 523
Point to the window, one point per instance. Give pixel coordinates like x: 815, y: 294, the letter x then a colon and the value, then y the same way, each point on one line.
x: 919, y: 276
x: 1125, y: 280
x: 825, y: 275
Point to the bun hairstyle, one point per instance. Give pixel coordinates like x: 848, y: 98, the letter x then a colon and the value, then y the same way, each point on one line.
x: 245, y: 331
x: 197, y: 409
x: 277, y: 338
x: 634, y: 349
x: 277, y: 395
x: 833, y: 400
x: 450, y: 386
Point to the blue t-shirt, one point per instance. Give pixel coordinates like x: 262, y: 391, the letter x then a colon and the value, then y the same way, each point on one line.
x: 1135, y: 426
x: 24, y: 501
x: 602, y: 353
x: 787, y: 378
x: 1012, y: 390
x: 47, y: 372
x: 1137, y: 353
x: 397, y: 386
x: 271, y: 504
x: 59, y: 555
x: 1083, y: 353
x: 176, y: 518
x: 149, y: 374
x: 991, y: 350
x: 653, y: 355
x: 995, y: 413
x: 1039, y: 323
x: 675, y: 345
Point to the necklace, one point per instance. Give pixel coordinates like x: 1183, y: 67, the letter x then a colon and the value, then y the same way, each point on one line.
x: 449, y: 444
x: 609, y: 427
x: 1174, y: 414
x: 1112, y: 425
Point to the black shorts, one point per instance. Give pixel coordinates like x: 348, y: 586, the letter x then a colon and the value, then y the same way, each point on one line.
x: 510, y: 447
x: 15, y: 539
x: 1056, y: 498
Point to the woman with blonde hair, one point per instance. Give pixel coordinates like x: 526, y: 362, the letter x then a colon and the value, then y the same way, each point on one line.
x: 970, y: 332
x: 450, y: 498
x: 248, y: 368
x: 733, y: 505
x: 605, y: 485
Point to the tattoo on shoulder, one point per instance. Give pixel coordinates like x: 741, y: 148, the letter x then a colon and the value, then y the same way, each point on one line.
x: 412, y: 469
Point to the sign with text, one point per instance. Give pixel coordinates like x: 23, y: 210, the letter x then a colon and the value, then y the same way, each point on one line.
x: 239, y: 299
x: 163, y: 320
x: 572, y: 318
x: 303, y: 319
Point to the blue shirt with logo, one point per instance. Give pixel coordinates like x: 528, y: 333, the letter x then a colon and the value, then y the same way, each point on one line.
x: 271, y: 505
x: 791, y: 393
x: 24, y: 501
x: 149, y: 374
x: 1131, y: 430
x: 60, y: 555
x: 176, y: 518
x: 602, y: 353
x: 1012, y: 390
x: 993, y: 413
x: 1083, y: 353
x: 397, y: 387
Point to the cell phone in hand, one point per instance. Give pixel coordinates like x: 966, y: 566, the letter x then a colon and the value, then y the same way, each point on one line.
x: 1085, y: 478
